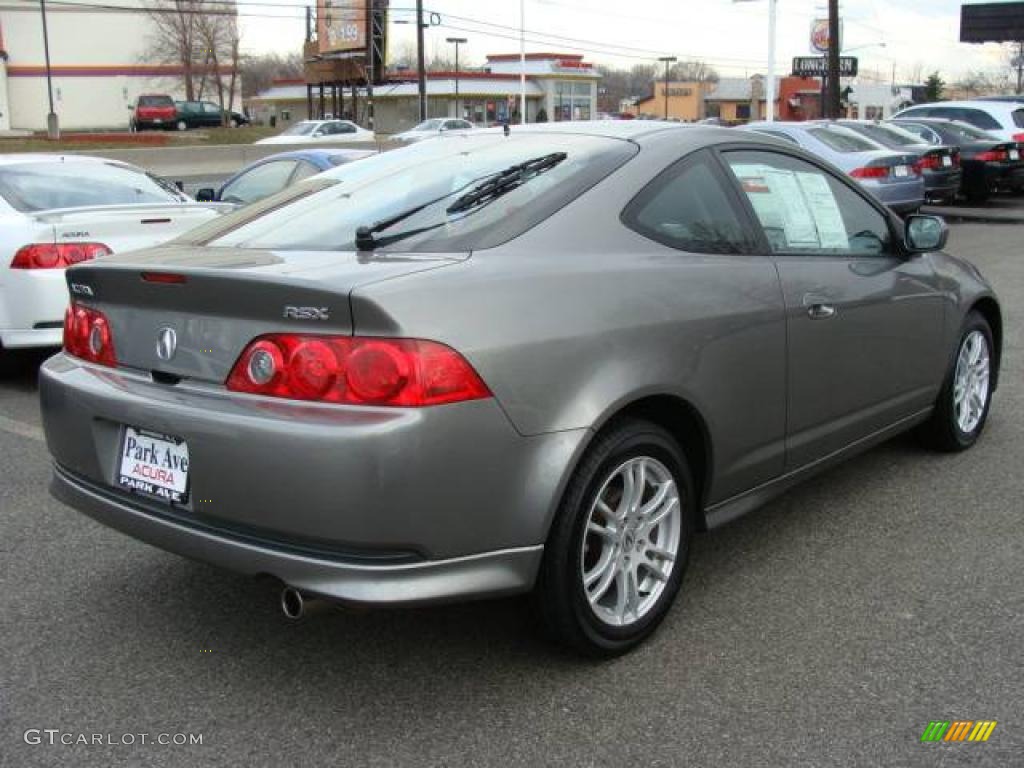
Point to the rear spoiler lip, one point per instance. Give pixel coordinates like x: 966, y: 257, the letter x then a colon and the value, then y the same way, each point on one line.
x: 54, y: 214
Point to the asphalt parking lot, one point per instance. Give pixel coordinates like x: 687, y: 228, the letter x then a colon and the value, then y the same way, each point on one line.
x: 827, y: 629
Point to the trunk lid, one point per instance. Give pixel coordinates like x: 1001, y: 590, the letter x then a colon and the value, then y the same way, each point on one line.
x: 128, y: 227
x: 224, y: 298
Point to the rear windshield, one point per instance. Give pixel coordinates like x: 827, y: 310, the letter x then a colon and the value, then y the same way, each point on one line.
x: 434, y: 177
x: 841, y: 139
x: 429, y: 125
x: 969, y: 132
x: 1018, y: 117
x: 888, y: 135
x: 155, y: 101
x: 44, y: 186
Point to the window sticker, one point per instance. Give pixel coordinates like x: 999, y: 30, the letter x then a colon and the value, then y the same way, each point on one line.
x: 797, y: 210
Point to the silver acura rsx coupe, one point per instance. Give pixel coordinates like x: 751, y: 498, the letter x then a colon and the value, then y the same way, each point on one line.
x: 497, y: 362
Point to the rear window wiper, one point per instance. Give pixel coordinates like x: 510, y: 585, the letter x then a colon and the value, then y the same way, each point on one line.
x: 488, y: 188
x: 506, y: 181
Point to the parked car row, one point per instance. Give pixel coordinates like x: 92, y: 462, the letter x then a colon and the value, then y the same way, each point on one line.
x: 161, y: 112
x: 908, y: 161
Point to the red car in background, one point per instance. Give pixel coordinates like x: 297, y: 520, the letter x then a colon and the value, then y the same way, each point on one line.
x: 153, y: 110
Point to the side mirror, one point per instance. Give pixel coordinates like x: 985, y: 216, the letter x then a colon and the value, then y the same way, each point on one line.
x: 206, y: 195
x: 317, y: 134
x: 923, y: 234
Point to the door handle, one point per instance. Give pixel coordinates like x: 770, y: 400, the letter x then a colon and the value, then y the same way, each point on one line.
x: 821, y: 311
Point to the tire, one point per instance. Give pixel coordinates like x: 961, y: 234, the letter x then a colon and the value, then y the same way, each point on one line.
x: 948, y: 429
x: 572, y: 551
x: 233, y: 123
x: 181, y: 125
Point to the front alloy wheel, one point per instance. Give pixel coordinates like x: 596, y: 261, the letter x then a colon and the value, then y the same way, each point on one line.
x: 618, y: 547
x: 961, y: 410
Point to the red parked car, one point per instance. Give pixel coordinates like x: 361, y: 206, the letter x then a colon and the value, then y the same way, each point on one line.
x: 153, y: 110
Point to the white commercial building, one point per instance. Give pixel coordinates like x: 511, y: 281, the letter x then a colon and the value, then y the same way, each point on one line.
x: 98, y: 59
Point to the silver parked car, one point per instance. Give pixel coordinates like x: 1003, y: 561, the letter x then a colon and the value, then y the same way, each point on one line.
x: 892, y: 176
x: 487, y: 364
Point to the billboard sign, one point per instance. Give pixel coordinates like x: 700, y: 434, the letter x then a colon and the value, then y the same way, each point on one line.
x: 992, y: 23
x: 817, y: 66
x: 341, y: 25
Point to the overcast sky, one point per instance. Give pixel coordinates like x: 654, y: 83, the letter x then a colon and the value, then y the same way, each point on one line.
x: 918, y: 35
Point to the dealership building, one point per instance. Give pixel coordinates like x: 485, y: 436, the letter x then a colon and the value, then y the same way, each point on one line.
x: 559, y: 87
x: 98, y: 65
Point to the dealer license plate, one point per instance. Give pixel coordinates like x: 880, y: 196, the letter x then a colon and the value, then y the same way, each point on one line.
x: 154, y: 465
x: 1014, y: 154
x: 947, y: 161
x: 901, y: 170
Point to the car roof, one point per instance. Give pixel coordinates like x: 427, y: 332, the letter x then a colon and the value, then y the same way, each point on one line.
x: 312, y: 153
x: 993, y: 106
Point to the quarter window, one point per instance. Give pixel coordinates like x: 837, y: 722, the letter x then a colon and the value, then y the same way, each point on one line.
x: 688, y: 208
x: 260, y: 182
x: 805, y: 210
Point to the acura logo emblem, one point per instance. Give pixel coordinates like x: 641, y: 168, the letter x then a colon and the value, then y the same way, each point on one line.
x: 166, y: 343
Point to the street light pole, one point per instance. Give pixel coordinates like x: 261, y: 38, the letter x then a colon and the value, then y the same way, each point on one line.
x: 769, y: 87
x: 420, y: 65
x: 522, y: 62
x: 52, y: 125
x: 668, y: 61
x: 457, y: 41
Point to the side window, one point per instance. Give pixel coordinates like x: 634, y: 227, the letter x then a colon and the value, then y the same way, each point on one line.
x: 259, y: 182
x: 804, y: 209
x: 979, y: 119
x: 923, y: 131
x: 687, y: 207
x: 210, y: 109
x: 303, y: 170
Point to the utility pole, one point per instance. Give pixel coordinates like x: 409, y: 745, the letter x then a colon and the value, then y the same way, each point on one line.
x: 769, y: 97
x: 1019, y: 61
x: 420, y: 65
x: 668, y: 62
x: 832, y: 88
x: 52, y: 124
x: 457, y: 41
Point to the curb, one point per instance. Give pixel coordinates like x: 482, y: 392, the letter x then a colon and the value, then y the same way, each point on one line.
x: 973, y: 214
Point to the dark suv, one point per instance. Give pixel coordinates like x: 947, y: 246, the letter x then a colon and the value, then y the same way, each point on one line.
x: 205, y: 114
x: 153, y: 111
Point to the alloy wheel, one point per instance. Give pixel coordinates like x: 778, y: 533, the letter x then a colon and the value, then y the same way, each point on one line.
x: 970, y: 383
x: 631, y: 541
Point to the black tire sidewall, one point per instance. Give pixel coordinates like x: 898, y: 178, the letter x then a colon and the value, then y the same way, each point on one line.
x: 629, y: 440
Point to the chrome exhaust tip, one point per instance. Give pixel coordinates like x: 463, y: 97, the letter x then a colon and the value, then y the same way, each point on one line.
x: 292, y: 603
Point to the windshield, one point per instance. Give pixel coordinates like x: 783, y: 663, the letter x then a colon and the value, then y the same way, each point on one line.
x: 425, y: 177
x: 1018, y: 117
x: 155, y: 101
x: 429, y: 125
x: 304, y: 128
x: 841, y: 139
x: 44, y: 186
x: 888, y: 135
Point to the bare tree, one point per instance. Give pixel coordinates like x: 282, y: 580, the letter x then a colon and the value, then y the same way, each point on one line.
x: 259, y: 72
x: 201, y: 37
x: 693, y: 72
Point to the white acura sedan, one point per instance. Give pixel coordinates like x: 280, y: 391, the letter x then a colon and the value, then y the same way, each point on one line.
x: 320, y: 132
x: 59, y: 210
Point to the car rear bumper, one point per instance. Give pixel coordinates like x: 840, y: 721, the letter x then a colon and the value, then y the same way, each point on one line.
x: 32, y: 310
x: 488, y: 574
x: 299, y: 490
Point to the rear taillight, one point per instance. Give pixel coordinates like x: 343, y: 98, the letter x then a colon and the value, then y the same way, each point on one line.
x: 56, y: 255
x: 870, y: 172
x: 993, y: 156
x: 355, y: 371
x: 928, y: 163
x: 1018, y: 137
x: 87, y: 335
